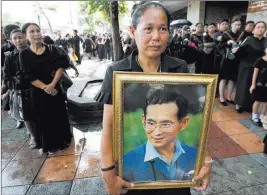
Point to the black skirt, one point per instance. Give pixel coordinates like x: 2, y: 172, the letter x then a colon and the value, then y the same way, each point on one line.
x: 260, y: 94
x: 243, y: 97
x: 229, y: 70
x: 51, y: 120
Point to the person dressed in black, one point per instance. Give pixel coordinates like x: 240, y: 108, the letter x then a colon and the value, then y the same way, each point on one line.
x: 76, y: 45
x: 250, y: 50
x: 258, y: 89
x: 14, y: 79
x: 229, y: 69
x: 8, y: 46
x: 43, y: 68
x: 248, y: 30
x: 197, y: 39
x: 150, y: 29
x: 88, y: 46
x: 101, y: 48
x: 47, y: 40
x: 209, y: 45
x: 219, y: 52
x: 6, y: 49
x: 107, y: 48
x: 62, y: 43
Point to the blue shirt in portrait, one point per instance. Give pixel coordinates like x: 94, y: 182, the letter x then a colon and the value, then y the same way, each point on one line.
x: 144, y: 163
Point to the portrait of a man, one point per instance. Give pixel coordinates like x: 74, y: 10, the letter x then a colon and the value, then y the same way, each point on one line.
x: 163, y: 157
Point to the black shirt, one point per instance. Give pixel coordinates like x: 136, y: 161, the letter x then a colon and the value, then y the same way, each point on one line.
x: 129, y: 64
x: 261, y: 64
x: 13, y: 74
x: 246, y: 34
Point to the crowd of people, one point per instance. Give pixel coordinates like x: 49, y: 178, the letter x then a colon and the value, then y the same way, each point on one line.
x: 34, y: 65
x: 233, y: 54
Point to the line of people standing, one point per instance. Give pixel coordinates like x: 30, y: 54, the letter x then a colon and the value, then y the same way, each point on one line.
x: 32, y: 77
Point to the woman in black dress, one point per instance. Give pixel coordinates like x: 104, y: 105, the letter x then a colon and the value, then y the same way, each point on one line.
x: 250, y: 50
x: 44, y: 68
x: 229, y: 69
x: 209, y: 45
x: 150, y: 29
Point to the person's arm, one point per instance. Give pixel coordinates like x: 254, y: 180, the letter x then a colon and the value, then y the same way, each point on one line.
x: 254, y: 80
x: 74, y: 68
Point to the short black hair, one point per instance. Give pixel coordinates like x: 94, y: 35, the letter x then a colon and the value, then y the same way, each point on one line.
x: 224, y: 20
x: 212, y: 24
x: 260, y: 22
x: 250, y: 22
x: 48, y: 40
x: 75, y: 31
x: 236, y: 18
x: 8, y: 28
x: 15, y: 31
x: 198, y: 24
x: 26, y: 26
x: 138, y: 10
x: 161, y: 96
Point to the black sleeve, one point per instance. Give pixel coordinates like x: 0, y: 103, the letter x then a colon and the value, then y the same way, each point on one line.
x: 105, y: 93
x: 6, y: 71
x: 223, y: 43
x: 62, y: 59
x: 29, y: 74
x: 257, y: 63
x: 2, y: 56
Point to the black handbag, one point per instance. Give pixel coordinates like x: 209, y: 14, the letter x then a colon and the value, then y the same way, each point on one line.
x: 65, y: 81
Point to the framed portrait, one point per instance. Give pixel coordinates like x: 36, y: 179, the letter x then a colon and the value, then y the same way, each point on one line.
x: 161, y: 127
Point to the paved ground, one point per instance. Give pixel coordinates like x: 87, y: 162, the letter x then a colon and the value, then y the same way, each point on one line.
x: 234, y: 142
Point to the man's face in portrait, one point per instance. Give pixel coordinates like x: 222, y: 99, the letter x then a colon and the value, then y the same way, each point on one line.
x: 162, y: 125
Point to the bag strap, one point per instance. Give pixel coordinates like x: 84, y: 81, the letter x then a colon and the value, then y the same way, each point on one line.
x: 230, y: 36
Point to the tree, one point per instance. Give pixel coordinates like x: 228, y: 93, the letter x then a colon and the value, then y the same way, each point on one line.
x: 51, y: 8
x: 110, y: 12
x: 117, y: 46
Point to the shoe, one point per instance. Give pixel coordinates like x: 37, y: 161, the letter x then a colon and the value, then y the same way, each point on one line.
x: 223, y: 103
x: 230, y: 102
x: 32, y: 144
x: 19, y: 124
x: 257, y: 122
x: 41, y: 151
x: 239, y: 110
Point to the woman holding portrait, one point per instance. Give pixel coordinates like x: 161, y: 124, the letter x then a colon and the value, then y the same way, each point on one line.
x: 150, y: 30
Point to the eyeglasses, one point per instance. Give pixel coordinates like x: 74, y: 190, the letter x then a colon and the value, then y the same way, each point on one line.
x: 166, y: 127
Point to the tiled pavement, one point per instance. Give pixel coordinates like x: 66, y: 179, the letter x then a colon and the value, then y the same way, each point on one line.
x: 234, y: 142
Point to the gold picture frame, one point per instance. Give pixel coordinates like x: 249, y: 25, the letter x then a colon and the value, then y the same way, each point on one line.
x: 122, y: 78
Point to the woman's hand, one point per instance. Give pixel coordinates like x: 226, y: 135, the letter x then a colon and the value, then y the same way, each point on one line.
x: 114, y: 183
x: 231, y: 42
x: 252, y: 88
x: 234, y: 50
x: 203, y: 178
x: 50, y: 89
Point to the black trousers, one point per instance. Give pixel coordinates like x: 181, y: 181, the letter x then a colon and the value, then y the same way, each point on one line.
x: 107, y: 52
x: 77, y: 52
x: 180, y: 191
